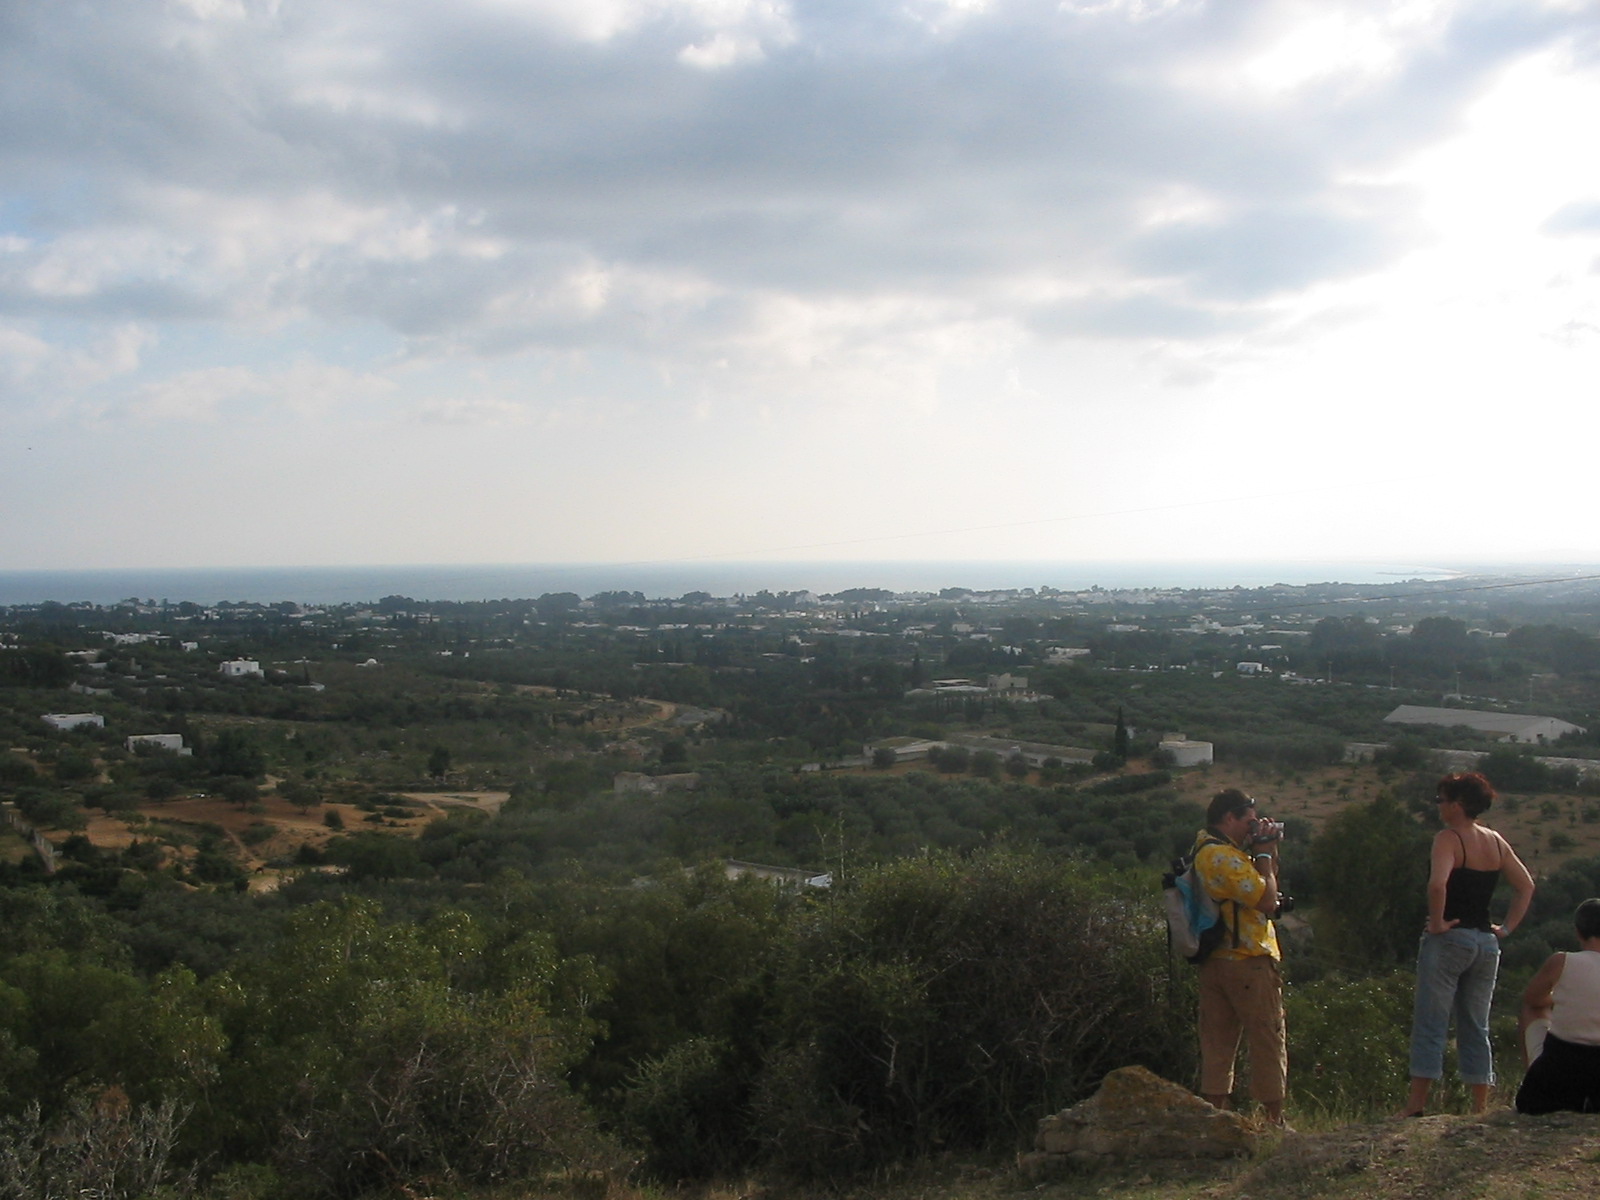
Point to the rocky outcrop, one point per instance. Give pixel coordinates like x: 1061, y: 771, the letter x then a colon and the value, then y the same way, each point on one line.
x: 1137, y: 1115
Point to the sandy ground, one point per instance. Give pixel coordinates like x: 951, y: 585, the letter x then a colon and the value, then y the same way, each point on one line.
x: 294, y: 828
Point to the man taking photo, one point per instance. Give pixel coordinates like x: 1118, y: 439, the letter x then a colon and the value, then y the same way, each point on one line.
x: 1241, y: 987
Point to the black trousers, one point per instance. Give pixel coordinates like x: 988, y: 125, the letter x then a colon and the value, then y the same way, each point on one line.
x: 1564, y: 1078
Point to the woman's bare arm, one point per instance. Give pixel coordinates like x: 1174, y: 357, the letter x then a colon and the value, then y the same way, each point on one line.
x: 1517, y: 875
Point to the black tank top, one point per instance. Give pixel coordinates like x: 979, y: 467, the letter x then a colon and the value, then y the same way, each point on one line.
x: 1467, y: 892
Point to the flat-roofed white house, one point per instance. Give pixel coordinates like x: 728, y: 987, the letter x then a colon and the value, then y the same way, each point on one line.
x: 170, y: 742
x: 240, y: 668
x: 793, y: 877
x: 905, y: 749
x: 65, y: 721
x: 1063, y: 654
x: 1504, y: 727
x: 1186, y: 753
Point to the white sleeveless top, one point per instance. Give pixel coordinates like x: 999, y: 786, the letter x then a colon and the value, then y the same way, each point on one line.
x: 1576, y: 1016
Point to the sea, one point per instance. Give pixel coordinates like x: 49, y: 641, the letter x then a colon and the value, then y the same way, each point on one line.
x: 668, y: 580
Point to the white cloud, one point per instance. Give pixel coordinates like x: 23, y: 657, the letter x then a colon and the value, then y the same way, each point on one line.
x: 216, y: 393
x: 786, y: 225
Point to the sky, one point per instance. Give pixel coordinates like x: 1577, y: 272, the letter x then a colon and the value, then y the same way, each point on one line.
x: 326, y: 282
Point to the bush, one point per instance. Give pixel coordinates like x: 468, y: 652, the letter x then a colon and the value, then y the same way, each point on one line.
x: 73, y: 768
x: 15, y: 770
x: 688, y: 1107
x: 1370, y: 869
x: 241, y: 792
x: 1349, y: 1041
x: 50, y: 810
x: 1122, y: 785
x: 107, y: 1149
x: 370, y: 1065
x: 947, y: 1003
x: 1513, y: 771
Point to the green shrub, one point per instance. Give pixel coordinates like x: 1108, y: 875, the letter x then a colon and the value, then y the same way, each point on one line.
x: 1349, y: 1043
x: 948, y: 1002
x: 688, y: 1107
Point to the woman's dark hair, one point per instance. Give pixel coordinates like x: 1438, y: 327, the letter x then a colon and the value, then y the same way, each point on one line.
x: 1587, y: 919
x: 1469, y: 789
x: 1229, y: 800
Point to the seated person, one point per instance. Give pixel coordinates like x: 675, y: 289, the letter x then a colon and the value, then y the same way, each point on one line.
x: 1563, y: 1003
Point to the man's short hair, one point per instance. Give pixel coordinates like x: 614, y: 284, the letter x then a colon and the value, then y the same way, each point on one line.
x: 1229, y: 800
x: 1587, y: 919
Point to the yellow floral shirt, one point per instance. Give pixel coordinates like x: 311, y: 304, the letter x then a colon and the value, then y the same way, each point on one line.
x: 1226, y: 872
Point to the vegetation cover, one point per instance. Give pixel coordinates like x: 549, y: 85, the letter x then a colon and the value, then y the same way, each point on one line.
x: 475, y: 896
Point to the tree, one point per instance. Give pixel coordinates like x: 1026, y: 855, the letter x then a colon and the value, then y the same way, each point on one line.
x: 948, y: 1000
x: 439, y: 762
x: 1119, y: 740
x: 72, y: 767
x: 1370, y: 867
x: 554, y: 605
x: 1514, y: 771
x: 234, y: 752
x: 35, y: 667
x: 299, y: 793
x: 16, y: 770
x: 241, y: 792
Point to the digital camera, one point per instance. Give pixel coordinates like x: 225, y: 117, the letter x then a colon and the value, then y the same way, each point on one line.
x: 1263, y: 831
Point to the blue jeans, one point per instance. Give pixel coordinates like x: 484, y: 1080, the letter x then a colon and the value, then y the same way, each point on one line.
x: 1455, y: 974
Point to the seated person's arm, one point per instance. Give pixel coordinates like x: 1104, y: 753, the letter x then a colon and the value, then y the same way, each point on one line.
x: 1538, y: 999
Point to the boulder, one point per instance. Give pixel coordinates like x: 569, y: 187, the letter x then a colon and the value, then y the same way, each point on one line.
x: 1138, y: 1115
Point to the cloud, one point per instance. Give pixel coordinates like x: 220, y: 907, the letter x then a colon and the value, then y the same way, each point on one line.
x: 683, y: 179
x: 1259, y: 252
x: 216, y: 393
x: 1581, y: 217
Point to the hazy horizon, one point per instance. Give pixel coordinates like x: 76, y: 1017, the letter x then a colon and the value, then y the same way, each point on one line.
x: 668, y: 580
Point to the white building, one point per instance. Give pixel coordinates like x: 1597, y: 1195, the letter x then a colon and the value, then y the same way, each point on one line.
x: 1186, y: 753
x: 65, y: 721
x: 240, y: 668
x: 1504, y: 727
x: 170, y: 742
x: 782, y: 876
x: 1065, y: 654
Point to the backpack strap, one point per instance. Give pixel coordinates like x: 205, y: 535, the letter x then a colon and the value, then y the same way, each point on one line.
x: 1211, y: 839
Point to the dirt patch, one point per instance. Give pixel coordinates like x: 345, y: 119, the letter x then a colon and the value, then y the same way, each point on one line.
x: 1501, y: 1156
x: 440, y: 802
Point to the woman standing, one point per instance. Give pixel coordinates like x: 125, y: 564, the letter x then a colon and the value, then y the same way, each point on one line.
x: 1460, y: 952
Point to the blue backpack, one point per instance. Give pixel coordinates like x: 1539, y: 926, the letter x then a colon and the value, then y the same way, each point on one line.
x: 1194, y: 919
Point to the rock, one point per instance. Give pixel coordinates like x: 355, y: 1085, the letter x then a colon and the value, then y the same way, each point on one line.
x: 1138, y: 1115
